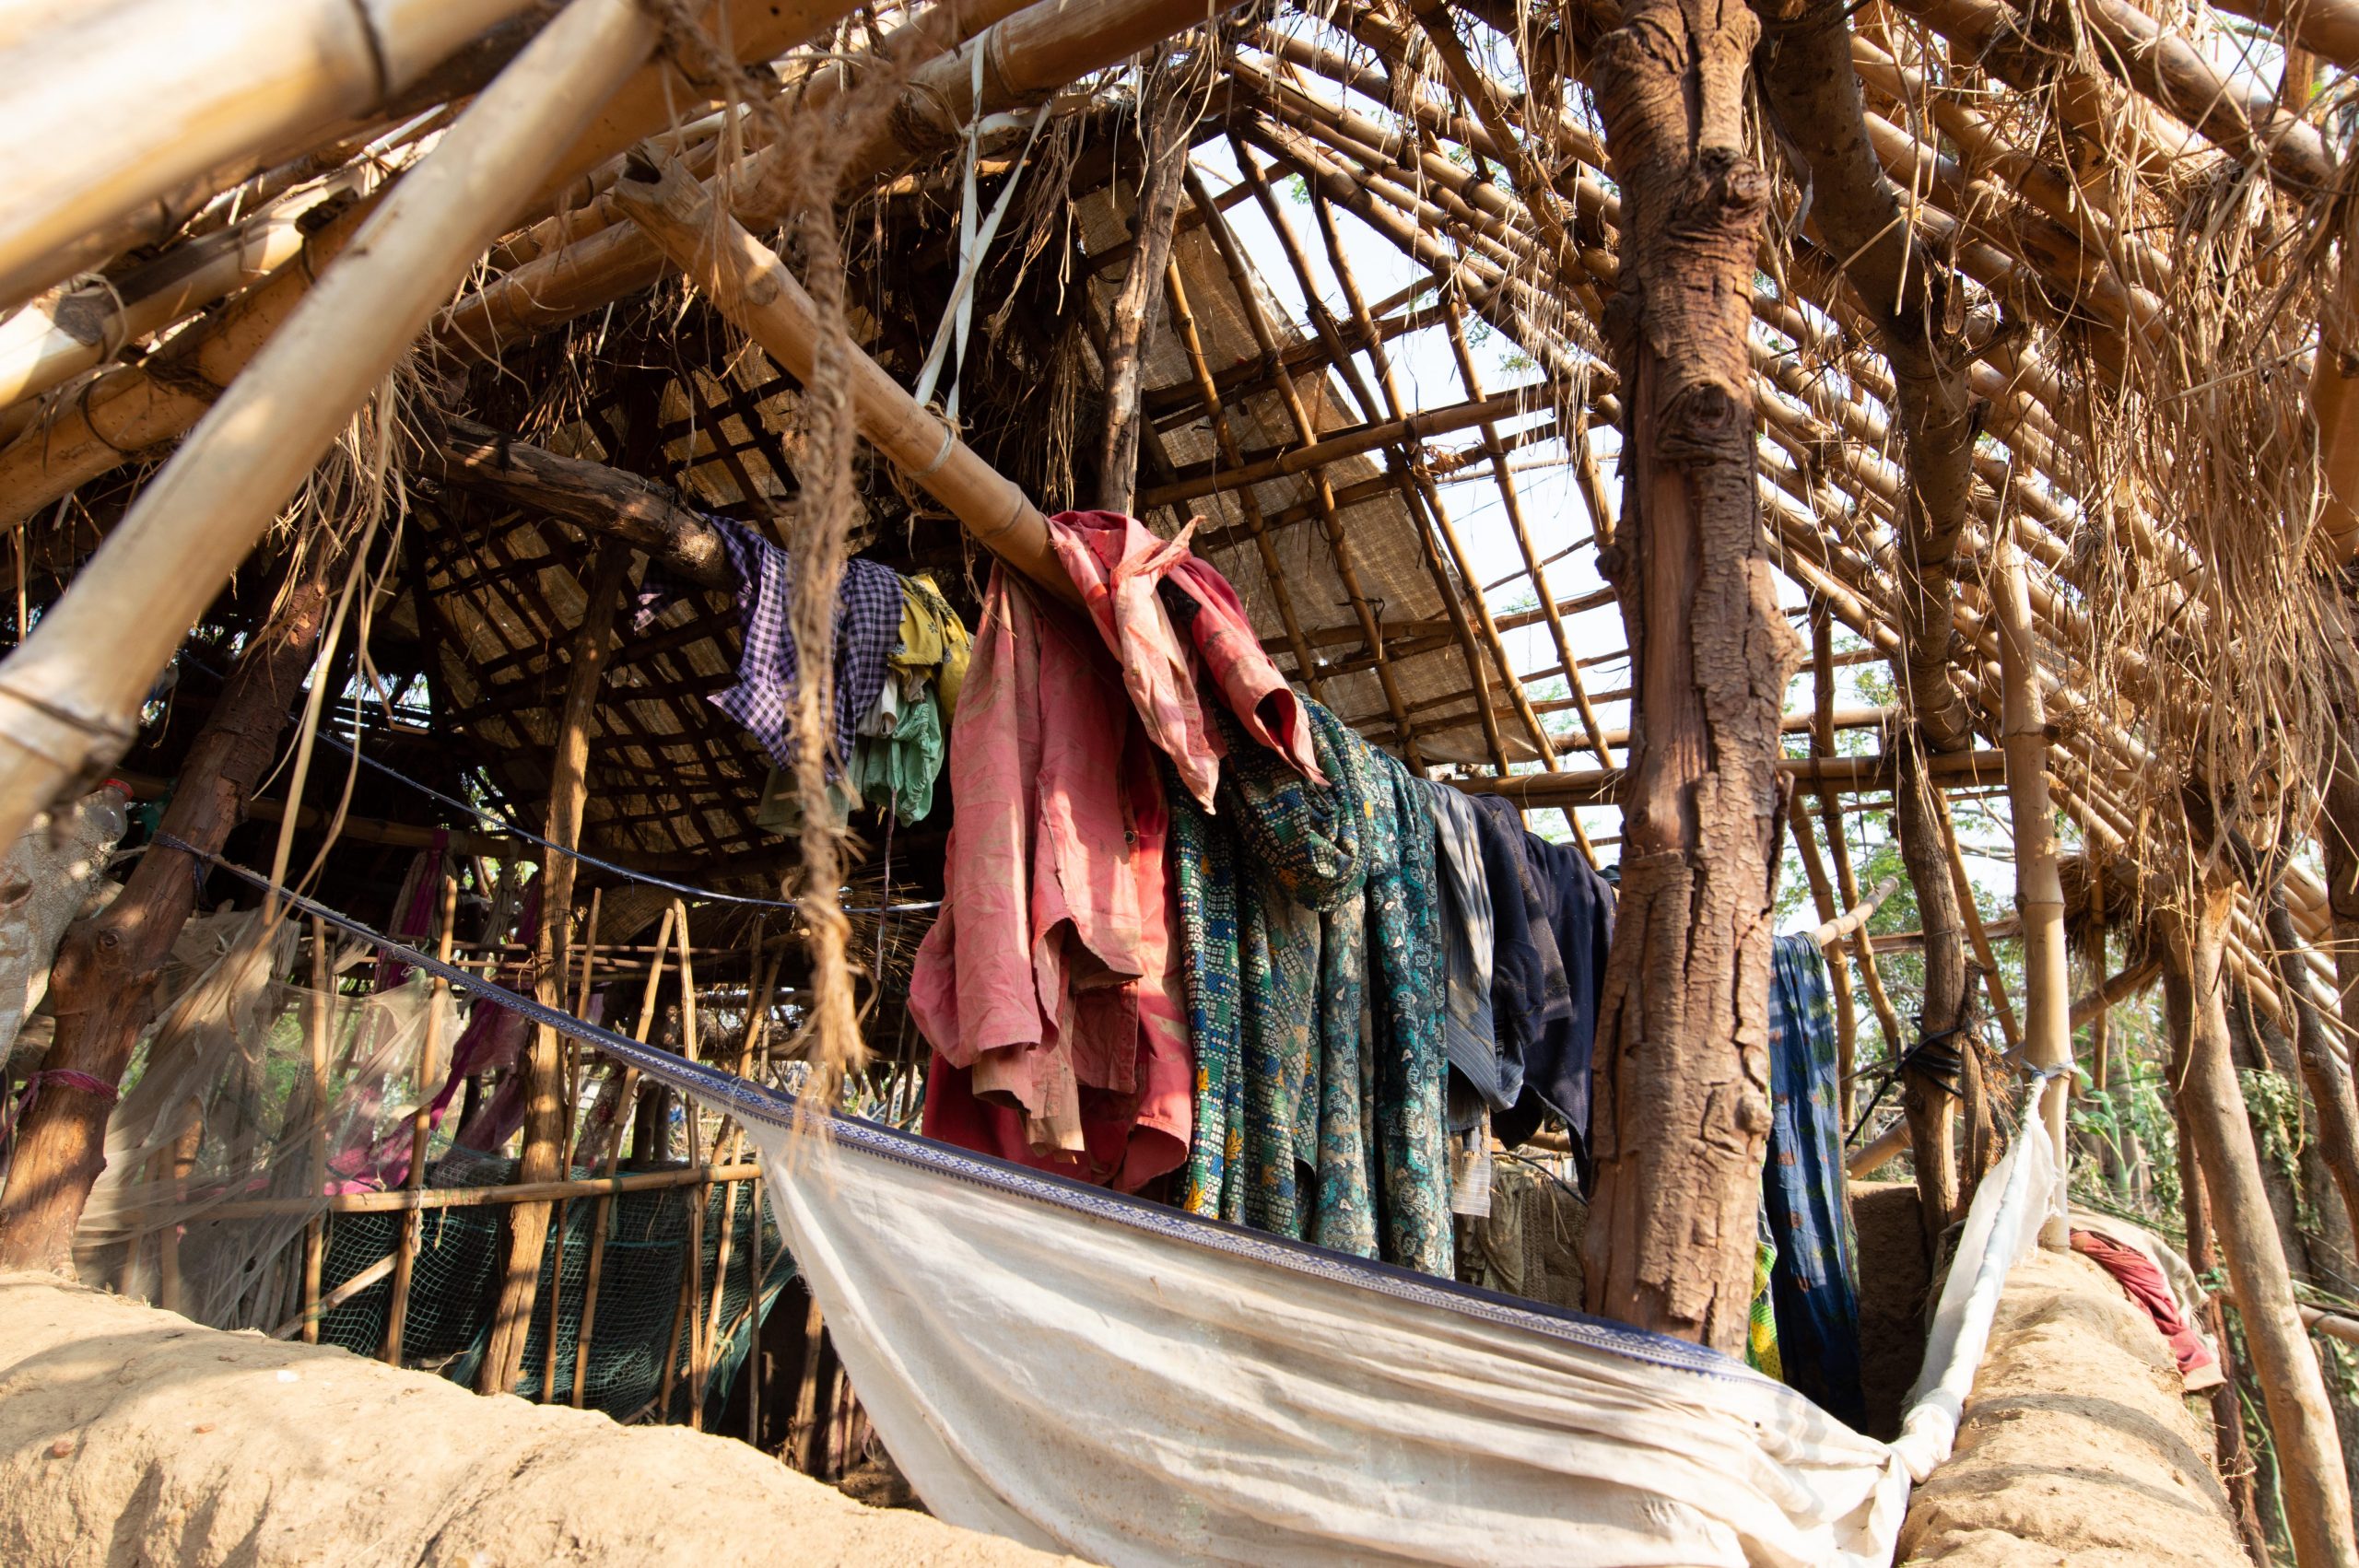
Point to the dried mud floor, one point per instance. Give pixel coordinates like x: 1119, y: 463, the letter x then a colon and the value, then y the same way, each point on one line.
x: 133, y: 1436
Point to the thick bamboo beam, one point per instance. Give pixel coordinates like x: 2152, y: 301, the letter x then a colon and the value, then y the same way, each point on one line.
x: 1828, y: 933
x: 1602, y: 786
x: 71, y: 693
x: 132, y: 103
x: 1028, y: 56
x: 1212, y: 480
x: 747, y: 283
x: 2039, y: 892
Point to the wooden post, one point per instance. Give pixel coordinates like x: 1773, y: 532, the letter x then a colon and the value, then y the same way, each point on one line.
x: 545, y: 1113
x: 421, y: 1128
x: 1929, y: 1103
x: 573, y: 1055
x: 691, y: 1266
x: 1681, y: 1109
x: 106, y: 966
x: 2039, y: 891
x: 70, y: 696
x: 2317, y: 1488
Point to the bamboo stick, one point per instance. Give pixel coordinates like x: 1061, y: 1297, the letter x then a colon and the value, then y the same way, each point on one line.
x: 2040, y: 892
x: 1600, y: 786
x: 402, y: 1200
x: 70, y: 696
x: 1855, y: 918
x: 315, y: 1230
x: 692, y: 1266
x: 1877, y: 1153
x: 605, y: 1213
x: 574, y: 1052
x: 421, y: 1128
x: 132, y: 103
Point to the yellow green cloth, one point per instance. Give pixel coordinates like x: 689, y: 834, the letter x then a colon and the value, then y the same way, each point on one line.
x: 933, y: 641
x: 1761, y: 1337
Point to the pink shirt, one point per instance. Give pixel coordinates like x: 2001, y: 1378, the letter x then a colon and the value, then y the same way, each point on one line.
x: 1049, y: 988
x: 1118, y: 565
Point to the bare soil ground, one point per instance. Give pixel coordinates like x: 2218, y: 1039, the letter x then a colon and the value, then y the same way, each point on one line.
x: 130, y: 1436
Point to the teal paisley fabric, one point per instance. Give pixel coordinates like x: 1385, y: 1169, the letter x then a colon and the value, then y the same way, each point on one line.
x: 1314, y: 968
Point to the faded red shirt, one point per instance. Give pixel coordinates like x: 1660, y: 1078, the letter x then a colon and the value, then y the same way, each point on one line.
x: 1049, y: 987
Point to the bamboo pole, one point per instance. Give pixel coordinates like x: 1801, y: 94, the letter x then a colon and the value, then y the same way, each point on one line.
x: 1840, y: 775
x: 750, y: 285
x: 1878, y: 1151
x: 421, y: 1128
x: 315, y: 1232
x: 1854, y: 918
x: 548, y: 1116
x: 605, y: 1213
x: 70, y: 696
x: 133, y: 103
x: 573, y: 1056
x: 2039, y: 892
x: 691, y: 1266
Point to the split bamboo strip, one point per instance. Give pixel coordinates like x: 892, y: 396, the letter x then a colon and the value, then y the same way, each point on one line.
x: 1600, y: 786
x: 69, y: 697
x: 692, y: 1266
x: 402, y: 1200
x: 137, y: 103
x: 421, y: 1128
x: 2040, y: 892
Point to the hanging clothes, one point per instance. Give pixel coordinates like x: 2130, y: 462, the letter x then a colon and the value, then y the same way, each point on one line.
x: 934, y: 643
x: 1527, y: 987
x: 1815, y: 1285
x: 2142, y: 1280
x: 896, y: 771
x: 1580, y: 905
x: 868, y: 621
x: 1312, y: 955
x: 1470, y: 1034
x: 1049, y: 987
x: 1119, y: 567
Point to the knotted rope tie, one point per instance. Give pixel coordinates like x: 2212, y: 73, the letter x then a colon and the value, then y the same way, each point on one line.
x: 64, y: 1078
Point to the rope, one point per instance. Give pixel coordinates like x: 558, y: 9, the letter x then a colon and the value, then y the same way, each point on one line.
x: 1933, y: 1056
x: 64, y: 1078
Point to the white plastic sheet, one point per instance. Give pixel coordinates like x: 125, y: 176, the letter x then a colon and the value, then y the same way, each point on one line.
x: 1110, y: 1378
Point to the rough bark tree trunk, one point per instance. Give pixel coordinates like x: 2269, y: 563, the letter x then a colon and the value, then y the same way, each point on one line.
x: 1170, y: 112
x: 1928, y: 1096
x: 2317, y: 1488
x: 102, y: 986
x: 2327, y: 1081
x: 1681, y: 1098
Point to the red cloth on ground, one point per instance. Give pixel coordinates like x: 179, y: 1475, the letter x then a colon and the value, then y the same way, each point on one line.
x: 2144, y: 1285
x: 1049, y: 987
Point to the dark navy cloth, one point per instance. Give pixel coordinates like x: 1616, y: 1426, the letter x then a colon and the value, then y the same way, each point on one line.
x: 1814, y: 1287
x: 1528, y: 991
x: 1581, y: 918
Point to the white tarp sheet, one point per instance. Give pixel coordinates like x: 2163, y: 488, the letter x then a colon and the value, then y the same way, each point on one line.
x: 1087, y: 1372
x: 1110, y: 1378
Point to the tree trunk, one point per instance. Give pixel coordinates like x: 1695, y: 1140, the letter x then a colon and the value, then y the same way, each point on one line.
x: 102, y: 986
x: 1929, y: 1087
x: 1169, y: 110
x: 546, y: 1112
x: 2327, y: 1081
x: 2233, y: 1456
x: 1682, y: 1111
x: 2317, y: 1489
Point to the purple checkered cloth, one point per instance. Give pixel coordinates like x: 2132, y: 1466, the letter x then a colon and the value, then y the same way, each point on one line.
x: 868, y: 627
